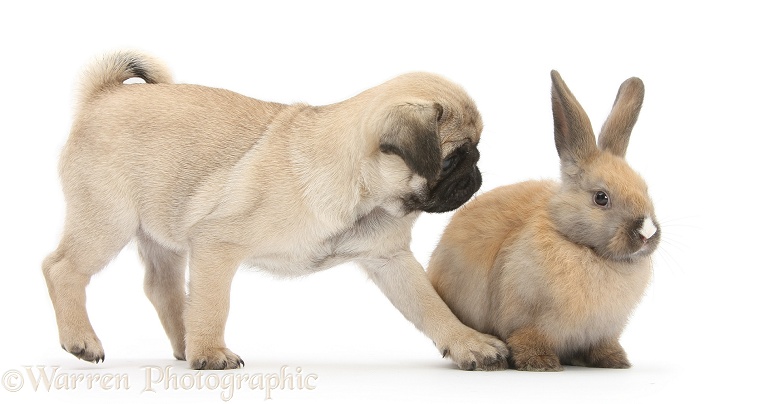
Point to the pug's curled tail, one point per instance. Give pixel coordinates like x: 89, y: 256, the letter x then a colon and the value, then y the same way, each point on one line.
x: 113, y: 69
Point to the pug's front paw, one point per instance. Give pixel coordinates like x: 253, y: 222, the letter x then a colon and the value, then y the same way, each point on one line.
x: 214, y: 359
x: 471, y: 350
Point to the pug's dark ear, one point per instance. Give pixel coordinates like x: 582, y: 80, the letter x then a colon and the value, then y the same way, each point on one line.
x: 411, y: 132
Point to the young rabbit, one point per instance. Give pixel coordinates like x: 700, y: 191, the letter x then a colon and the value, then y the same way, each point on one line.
x: 555, y: 269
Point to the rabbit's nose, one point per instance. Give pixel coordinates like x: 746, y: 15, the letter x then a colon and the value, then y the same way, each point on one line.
x: 647, y: 229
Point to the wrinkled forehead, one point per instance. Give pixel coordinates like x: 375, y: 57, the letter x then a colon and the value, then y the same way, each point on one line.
x: 461, y: 123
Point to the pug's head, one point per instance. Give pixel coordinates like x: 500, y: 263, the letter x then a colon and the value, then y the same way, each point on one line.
x: 434, y: 127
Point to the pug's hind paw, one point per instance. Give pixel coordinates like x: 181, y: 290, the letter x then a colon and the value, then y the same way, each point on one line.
x: 86, y: 348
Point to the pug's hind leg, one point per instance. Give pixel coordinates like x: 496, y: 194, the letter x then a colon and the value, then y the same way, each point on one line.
x: 88, y: 244
x: 165, y: 288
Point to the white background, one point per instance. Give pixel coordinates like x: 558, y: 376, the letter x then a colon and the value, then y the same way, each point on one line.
x: 693, y: 336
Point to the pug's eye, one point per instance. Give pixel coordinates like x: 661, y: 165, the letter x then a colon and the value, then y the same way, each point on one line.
x: 601, y: 199
x: 449, y: 164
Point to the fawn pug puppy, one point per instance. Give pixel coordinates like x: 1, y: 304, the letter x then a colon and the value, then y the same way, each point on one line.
x: 216, y: 180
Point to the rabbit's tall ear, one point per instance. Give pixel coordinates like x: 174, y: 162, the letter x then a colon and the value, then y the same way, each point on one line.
x: 572, y: 131
x: 615, y: 133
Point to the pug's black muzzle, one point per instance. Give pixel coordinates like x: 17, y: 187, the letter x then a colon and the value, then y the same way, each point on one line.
x: 451, y: 193
x: 455, y: 185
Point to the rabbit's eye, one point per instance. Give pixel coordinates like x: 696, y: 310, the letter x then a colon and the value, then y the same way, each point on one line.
x: 601, y: 199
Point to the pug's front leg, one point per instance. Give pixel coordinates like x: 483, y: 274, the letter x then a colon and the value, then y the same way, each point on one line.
x: 211, y: 271
x: 403, y: 280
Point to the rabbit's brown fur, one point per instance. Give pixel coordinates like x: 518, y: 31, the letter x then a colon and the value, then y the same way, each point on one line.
x: 544, y: 267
